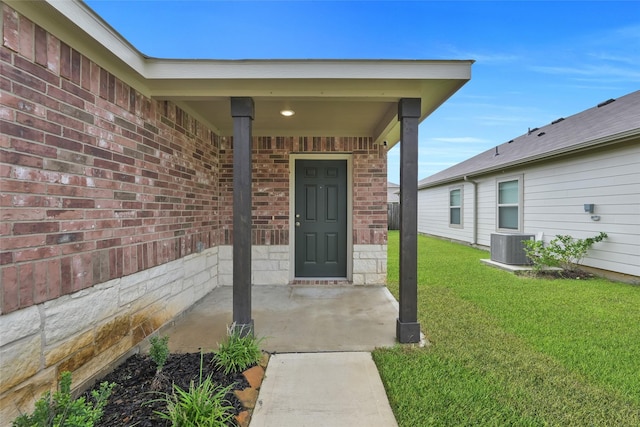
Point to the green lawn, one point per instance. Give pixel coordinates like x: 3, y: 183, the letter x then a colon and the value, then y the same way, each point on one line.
x: 513, y: 350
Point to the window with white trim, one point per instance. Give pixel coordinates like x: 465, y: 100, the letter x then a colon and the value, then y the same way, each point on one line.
x: 455, y: 207
x: 509, y: 202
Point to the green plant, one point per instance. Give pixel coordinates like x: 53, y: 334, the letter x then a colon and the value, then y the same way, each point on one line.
x: 61, y: 410
x: 563, y: 251
x: 238, y: 352
x: 159, y: 351
x: 203, y: 405
x: 539, y: 255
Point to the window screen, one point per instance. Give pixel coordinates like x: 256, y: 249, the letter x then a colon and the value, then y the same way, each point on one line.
x: 508, y: 204
x: 455, y: 207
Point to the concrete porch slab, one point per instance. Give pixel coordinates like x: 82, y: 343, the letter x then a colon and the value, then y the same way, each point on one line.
x: 515, y: 269
x: 507, y: 267
x: 295, y: 319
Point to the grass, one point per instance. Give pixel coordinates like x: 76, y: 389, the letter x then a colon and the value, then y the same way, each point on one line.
x: 513, y: 350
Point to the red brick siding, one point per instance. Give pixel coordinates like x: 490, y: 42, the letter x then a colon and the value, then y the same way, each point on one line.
x: 98, y: 181
x: 369, y: 194
x: 270, y: 158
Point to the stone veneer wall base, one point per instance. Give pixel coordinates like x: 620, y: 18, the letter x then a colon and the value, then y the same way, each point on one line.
x: 271, y: 264
x: 91, y: 331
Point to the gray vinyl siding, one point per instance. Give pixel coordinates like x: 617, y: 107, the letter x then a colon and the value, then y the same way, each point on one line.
x: 554, y: 196
x: 433, y: 212
x: 486, y: 209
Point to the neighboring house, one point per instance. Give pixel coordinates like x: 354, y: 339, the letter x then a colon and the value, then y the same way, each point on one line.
x: 541, y: 181
x: 393, y: 193
x: 132, y: 186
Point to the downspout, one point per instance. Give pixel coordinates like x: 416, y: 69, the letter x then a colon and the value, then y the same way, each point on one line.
x: 474, y: 239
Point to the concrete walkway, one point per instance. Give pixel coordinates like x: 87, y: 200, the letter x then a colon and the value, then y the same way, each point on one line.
x: 321, y: 372
x: 321, y: 390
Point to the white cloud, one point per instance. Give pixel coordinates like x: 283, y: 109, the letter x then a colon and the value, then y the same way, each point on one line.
x: 607, y: 56
x: 438, y: 164
x: 604, y: 57
x: 488, y: 57
x: 602, y: 71
x: 461, y: 139
x: 500, y: 120
x: 619, y: 37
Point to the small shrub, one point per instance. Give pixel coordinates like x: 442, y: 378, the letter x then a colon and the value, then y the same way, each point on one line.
x: 539, y: 256
x: 238, y: 352
x: 61, y: 410
x: 203, y: 405
x: 159, y: 351
x: 563, y: 251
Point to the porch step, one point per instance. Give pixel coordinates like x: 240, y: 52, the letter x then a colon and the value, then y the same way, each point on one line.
x: 331, y: 282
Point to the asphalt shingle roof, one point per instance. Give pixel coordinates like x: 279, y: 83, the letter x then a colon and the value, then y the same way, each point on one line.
x: 610, y: 121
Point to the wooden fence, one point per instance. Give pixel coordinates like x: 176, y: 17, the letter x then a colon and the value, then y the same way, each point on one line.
x: 393, y: 216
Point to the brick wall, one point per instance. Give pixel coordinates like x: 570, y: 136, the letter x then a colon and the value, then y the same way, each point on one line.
x: 271, y: 172
x: 98, y: 181
x: 369, y: 194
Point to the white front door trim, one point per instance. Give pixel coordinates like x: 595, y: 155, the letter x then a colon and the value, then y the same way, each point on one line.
x: 292, y: 205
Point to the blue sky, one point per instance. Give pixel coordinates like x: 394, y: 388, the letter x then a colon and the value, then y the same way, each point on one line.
x: 536, y: 61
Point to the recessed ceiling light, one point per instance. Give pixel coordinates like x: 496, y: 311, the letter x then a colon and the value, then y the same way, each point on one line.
x: 287, y: 113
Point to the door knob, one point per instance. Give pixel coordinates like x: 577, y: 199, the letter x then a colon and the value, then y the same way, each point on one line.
x: 297, y: 224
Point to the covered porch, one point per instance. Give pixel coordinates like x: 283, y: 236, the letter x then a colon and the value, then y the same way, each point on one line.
x: 369, y: 106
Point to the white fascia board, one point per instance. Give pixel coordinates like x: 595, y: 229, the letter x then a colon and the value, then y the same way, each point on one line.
x: 369, y: 90
x: 308, y: 69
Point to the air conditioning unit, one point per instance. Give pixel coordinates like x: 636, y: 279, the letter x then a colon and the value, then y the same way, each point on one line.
x: 509, y: 248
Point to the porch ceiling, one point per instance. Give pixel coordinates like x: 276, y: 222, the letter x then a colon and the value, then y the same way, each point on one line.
x: 329, y: 97
x: 357, y: 106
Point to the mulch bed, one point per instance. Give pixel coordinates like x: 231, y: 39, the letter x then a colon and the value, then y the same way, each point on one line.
x: 133, y: 402
x: 562, y: 274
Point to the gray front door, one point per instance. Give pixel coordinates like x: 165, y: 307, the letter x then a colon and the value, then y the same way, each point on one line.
x: 321, y: 218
